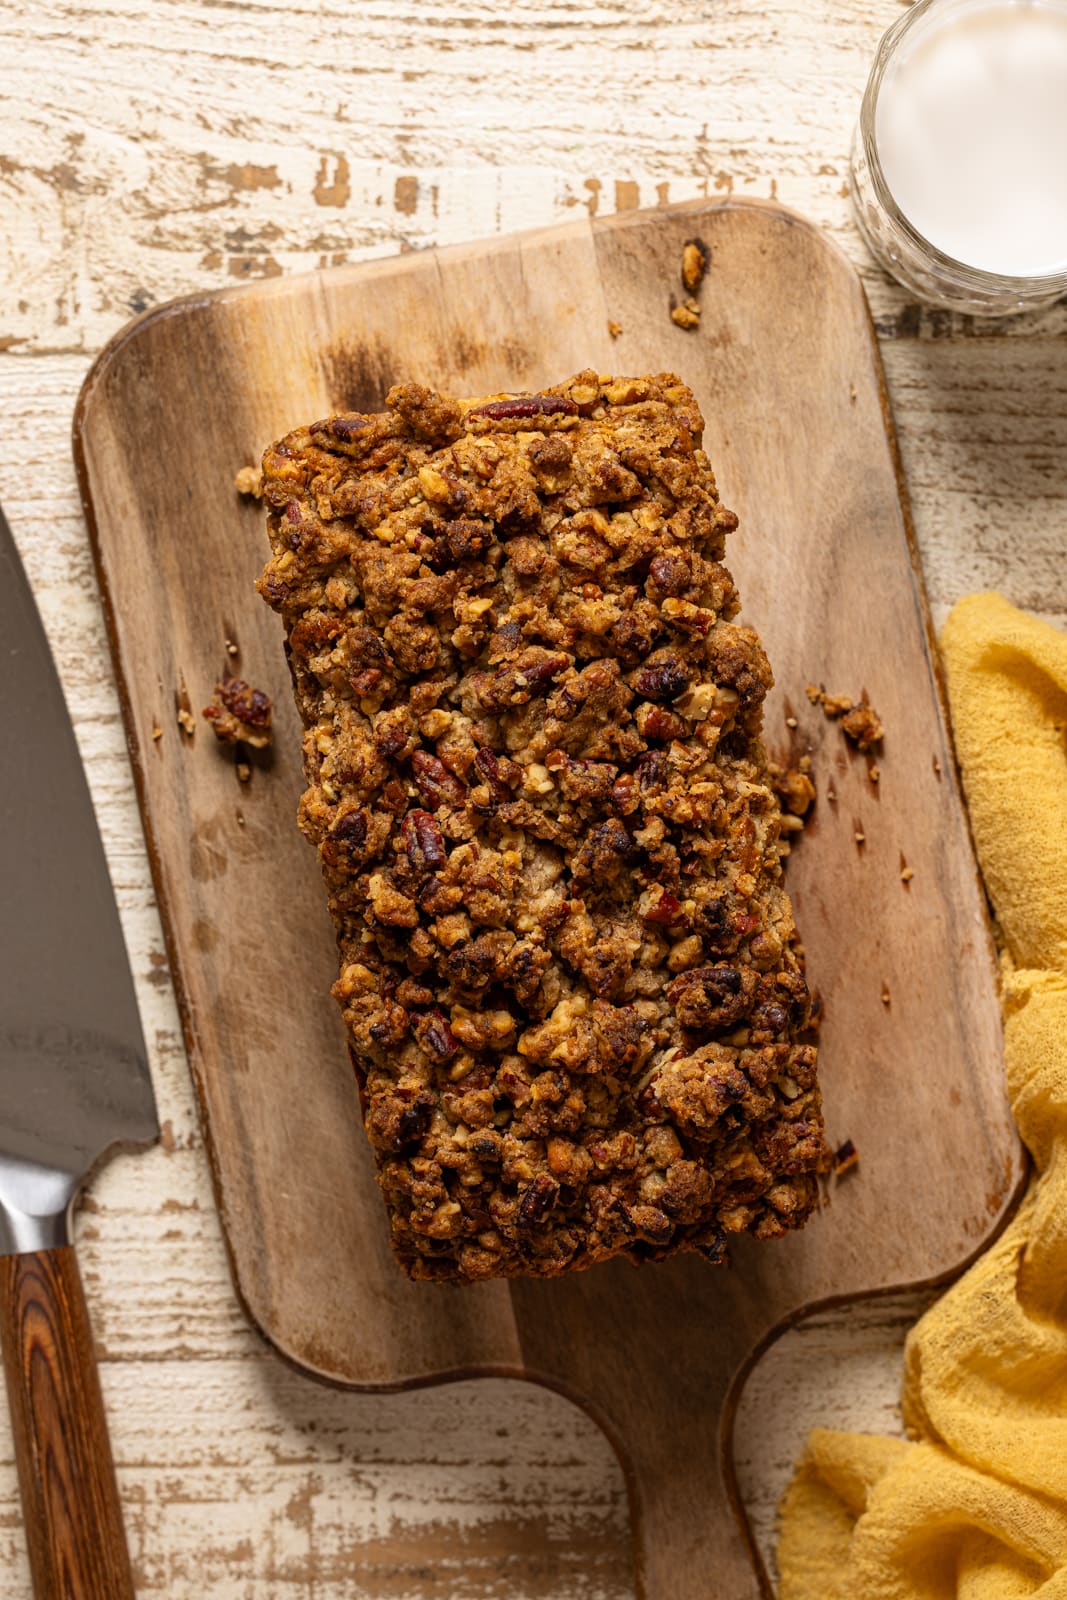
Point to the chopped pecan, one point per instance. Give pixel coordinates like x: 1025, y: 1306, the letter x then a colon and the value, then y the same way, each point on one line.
x: 537, y: 1201
x: 670, y: 574
x: 435, y: 783
x: 489, y: 770
x: 653, y: 722
x: 345, y: 429
x: 436, y: 1037
x: 423, y: 841
x: 346, y: 839
x: 656, y: 905
x: 666, y: 679
x: 528, y: 407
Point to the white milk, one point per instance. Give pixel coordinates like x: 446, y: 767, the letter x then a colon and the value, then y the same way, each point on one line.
x: 971, y: 129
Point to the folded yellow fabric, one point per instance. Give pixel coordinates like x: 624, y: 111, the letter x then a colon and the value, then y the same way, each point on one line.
x: 976, y: 1508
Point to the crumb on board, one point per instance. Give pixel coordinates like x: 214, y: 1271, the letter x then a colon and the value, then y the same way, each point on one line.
x: 832, y: 705
x: 859, y: 720
x: 885, y: 994
x: 791, y: 722
x: 906, y: 874
x: 614, y: 328
x: 863, y: 726
x: 249, y: 481
x: 244, y: 772
x: 793, y: 787
x: 846, y: 1156
x: 859, y: 836
x: 873, y: 773
x: 238, y: 712
x: 231, y: 647
x: 186, y: 721
x: 694, y: 264
x: 157, y: 731
x: 687, y: 315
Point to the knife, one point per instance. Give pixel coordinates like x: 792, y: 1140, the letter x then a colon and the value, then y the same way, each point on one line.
x: 73, y: 1083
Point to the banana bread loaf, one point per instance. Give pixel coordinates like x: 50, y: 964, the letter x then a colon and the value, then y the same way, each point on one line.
x: 569, y: 969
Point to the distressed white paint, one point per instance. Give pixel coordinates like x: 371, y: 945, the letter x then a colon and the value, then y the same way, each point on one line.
x: 150, y: 148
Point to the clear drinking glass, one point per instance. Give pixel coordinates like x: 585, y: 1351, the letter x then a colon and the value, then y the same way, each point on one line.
x: 901, y: 249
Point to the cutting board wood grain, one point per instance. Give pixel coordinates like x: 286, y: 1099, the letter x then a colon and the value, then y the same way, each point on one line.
x: 786, y: 368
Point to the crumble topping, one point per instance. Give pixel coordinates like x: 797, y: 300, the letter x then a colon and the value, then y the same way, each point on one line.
x: 569, y: 969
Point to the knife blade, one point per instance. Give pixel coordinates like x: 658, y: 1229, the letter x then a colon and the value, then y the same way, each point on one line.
x: 74, y: 1082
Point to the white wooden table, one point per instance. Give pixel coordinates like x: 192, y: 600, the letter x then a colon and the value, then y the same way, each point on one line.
x: 153, y: 147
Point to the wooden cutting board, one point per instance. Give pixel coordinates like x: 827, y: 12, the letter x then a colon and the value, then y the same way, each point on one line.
x: 786, y: 368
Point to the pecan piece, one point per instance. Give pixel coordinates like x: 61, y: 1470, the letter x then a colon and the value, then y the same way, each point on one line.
x: 653, y: 722
x: 345, y: 429
x: 537, y: 1201
x: 671, y: 574
x: 526, y: 406
x: 435, y: 783
x: 423, y: 841
x: 488, y: 768
x: 657, y: 905
x: 345, y: 843
x: 435, y: 1035
x: 539, y: 674
x: 663, y: 680
x: 624, y: 794
x: 517, y: 681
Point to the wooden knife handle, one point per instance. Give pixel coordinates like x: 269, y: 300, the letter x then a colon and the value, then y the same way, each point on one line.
x: 70, y: 1502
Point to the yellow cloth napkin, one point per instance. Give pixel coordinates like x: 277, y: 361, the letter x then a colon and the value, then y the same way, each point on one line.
x: 976, y: 1508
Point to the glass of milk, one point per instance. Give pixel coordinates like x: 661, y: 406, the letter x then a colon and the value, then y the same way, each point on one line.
x: 959, y: 166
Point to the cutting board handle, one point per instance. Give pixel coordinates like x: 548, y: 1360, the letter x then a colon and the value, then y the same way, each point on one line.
x: 689, y: 1540
x: 70, y: 1502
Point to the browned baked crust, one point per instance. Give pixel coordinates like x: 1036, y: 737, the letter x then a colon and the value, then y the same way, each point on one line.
x: 569, y: 969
